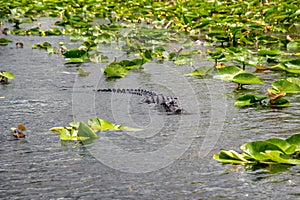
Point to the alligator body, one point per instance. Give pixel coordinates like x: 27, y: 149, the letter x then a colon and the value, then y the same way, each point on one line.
x: 167, y: 103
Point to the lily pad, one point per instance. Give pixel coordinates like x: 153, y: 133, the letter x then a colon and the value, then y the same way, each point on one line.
x: 115, y: 70
x: 201, y: 71
x: 293, y: 45
x: 4, y: 41
x: 269, y: 52
x: 231, y: 157
x: 98, y: 124
x: 291, y: 66
x: 247, y: 79
x: 249, y: 100
x: 8, y: 75
x: 227, y: 73
x: 286, y: 86
x: 270, y: 151
x: 294, y: 80
x: 255, y: 149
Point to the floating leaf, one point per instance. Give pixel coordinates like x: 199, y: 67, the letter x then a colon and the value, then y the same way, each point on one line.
x: 182, y: 60
x: 269, y: 52
x: 283, y: 145
x: 280, y: 102
x: 280, y: 157
x: 98, y: 124
x: 230, y: 157
x: 249, y: 100
x: 98, y: 58
x: 4, y: 41
x: 45, y: 45
x: 85, y: 132
x: 291, y: 66
x: 247, y: 79
x: 132, y: 64
x: 8, y: 75
x: 80, y: 131
x: 115, y: 70
x: 227, y: 73
x: 294, y: 80
x: 286, y: 86
x: 293, y: 45
x: 201, y: 71
x: 74, y: 53
x: 294, y: 140
x: 255, y: 149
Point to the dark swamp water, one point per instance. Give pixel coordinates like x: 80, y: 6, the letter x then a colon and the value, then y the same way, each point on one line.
x: 170, y: 159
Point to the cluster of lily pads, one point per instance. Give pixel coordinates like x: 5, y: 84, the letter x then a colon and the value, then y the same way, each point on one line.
x: 270, y: 151
x: 79, y: 131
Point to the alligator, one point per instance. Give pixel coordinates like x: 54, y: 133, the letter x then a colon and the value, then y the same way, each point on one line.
x: 167, y: 103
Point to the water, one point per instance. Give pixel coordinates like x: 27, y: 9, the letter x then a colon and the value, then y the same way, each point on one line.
x: 40, y: 166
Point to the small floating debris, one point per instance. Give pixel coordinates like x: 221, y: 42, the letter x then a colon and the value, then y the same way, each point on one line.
x: 4, y: 76
x: 19, y: 132
x: 82, y: 72
x: 19, y: 45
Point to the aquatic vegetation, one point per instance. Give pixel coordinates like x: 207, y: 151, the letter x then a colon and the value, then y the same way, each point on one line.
x: 5, y: 75
x: 279, y: 89
x: 270, y: 151
x: 237, y: 75
x: 240, y: 34
x: 120, y: 69
x: 81, y: 131
x: 4, y: 41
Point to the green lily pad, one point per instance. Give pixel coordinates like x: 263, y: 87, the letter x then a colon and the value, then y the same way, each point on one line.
x: 294, y: 80
x: 255, y: 149
x: 79, y: 132
x: 294, y: 140
x: 280, y: 157
x: 45, y: 45
x: 74, y: 53
x: 283, y: 145
x: 270, y: 151
x: 249, y: 100
x: 269, y: 52
x: 286, y: 86
x: 280, y: 103
x: 8, y: 75
x: 231, y: 156
x: 227, y: 73
x: 132, y: 64
x: 247, y: 79
x: 115, y: 70
x: 182, y: 60
x: 98, y: 124
x: 291, y: 66
x: 201, y: 71
x: 293, y: 45
x: 85, y: 131
x: 4, y: 41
